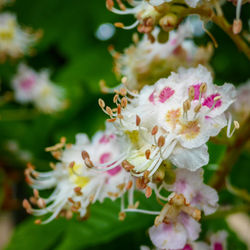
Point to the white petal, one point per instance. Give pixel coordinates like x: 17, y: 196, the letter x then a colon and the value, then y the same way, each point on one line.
x: 191, y: 159
x: 168, y: 236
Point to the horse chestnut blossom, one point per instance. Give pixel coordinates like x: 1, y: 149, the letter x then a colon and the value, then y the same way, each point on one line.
x: 144, y: 12
x: 176, y: 224
x: 171, y: 120
x: 143, y: 63
x: 241, y: 107
x: 14, y: 41
x: 36, y: 87
x: 217, y: 242
x: 197, y: 194
x: 190, y: 3
x: 76, y: 185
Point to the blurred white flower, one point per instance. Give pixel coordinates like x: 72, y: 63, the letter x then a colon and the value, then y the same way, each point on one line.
x: 14, y: 41
x: 241, y: 107
x: 37, y: 88
x: 146, y: 62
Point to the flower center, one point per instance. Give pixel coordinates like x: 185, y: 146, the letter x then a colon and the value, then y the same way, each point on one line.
x: 190, y: 129
x: 79, y: 181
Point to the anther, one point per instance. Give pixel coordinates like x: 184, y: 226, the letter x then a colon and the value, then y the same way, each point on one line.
x: 101, y: 103
x: 85, y: 155
x: 236, y: 125
x: 109, y: 111
x: 88, y: 163
x: 138, y: 120
x: 109, y: 4
x: 148, y: 192
x: 36, y: 193
x: 124, y: 102
x: 122, y: 216
x: 71, y: 165
x: 115, y: 98
x: 78, y: 190
x: 27, y: 206
x: 124, y: 80
x: 41, y: 203
x: 123, y: 91
x: 237, y: 26
x: 111, y: 120
x: 191, y: 93
x: 203, y: 87
x: 197, y: 108
x: 186, y: 105
x: 38, y: 222
x: 161, y: 141
x: 154, y: 130
x: 119, y: 25
x: 129, y: 185
x: 147, y: 154
x: 119, y: 110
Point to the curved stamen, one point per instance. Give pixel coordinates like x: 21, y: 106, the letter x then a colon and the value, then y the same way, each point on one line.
x: 141, y: 211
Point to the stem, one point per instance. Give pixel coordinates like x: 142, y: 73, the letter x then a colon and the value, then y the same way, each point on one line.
x: 225, y: 211
x: 231, y: 155
x: 221, y: 22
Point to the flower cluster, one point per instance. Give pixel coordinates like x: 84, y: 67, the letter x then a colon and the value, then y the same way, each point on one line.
x: 14, y: 41
x: 144, y: 62
x: 172, y: 120
x: 32, y: 87
x: 76, y: 184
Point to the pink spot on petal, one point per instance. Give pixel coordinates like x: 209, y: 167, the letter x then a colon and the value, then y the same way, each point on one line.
x: 180, y: 185
x: 151, y: 97
x: 187, y: 247
x: 105, y: 158
x: 218, y: 246
x: 173, y: 41
x: 106, y: 138
x: 209, y: 101
x: 27, y: 83
x: 165, y: 94
x: 114, y: 171
x: 197, y: 198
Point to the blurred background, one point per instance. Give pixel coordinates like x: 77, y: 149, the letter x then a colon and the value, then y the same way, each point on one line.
x: 76, y: 35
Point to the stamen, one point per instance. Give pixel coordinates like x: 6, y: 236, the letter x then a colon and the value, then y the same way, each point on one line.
x: 236, y: 126
x: 191, y: 93
x: 138, y: 120
x: 203, y: 88
x: 154, y: 130
x: 148, y: 191
x: 147, y: 154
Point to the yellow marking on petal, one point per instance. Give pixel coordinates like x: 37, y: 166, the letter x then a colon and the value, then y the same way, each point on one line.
x: 134, y: 137
x: 79, y: 181
x: 173, y: 116
x: 190, y: 129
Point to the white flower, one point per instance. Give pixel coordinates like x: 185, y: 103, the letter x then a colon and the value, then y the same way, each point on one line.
x: 145, y: 62
x: 198, y: 194
x: 31, y: 86
x: 76, y: 186
x: 218, y: 241
x: 144, y: 12
x: 14, y: 41
x: 172, y: 120
x: 241, y: 107
x: 175, y: 225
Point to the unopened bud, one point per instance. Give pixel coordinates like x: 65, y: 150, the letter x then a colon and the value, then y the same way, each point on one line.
x: 168, y: 22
